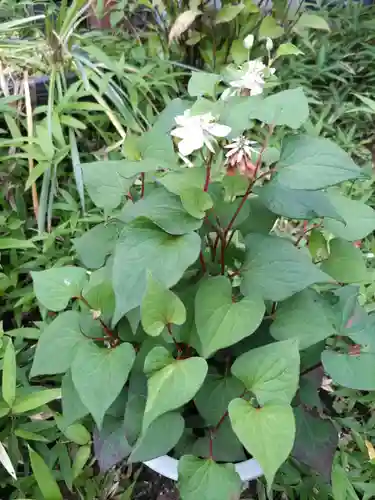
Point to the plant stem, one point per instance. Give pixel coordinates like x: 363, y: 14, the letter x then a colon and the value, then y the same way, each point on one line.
x: 223, y: 417
x: 211, y: 445
x: 244, y: 198
x: 222, y: 256
x: 143, y: 185
x: 208, y: 173
x: 203, y: 263
x: 107, y: 330
x: 179, y: 351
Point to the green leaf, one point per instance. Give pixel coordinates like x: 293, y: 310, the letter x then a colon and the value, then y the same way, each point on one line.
x: 173, y: 386
x: 203, y: 84
x: 95, y: 245
x: 225, y: 446
x: 276, y: 268
x: 199, y: 478
x: 358, y: 219
x: 345, y: 263
x: 73, y: 408
x: 220, y: 322
x: 10, y: 243
x: 55, y: 287
x: 267, y: 433
x: 227, y: 13
x: 307, y: 20
x: 177, y: 181
x: 196, y: 202
x: 313, y: 163
x: 35, y: 400
x: 288, y: 107
x: 163, y: 209
x: 214, y: 396
x: 353, y: 372
x: 25, y: 333
x: 159, y: 438
x: 107, y: 182
x: 270, y: 372
x: 304, y: 317
x: 44, y: 478
x: 62, y: 336
x: 9, y: 374
x: 287, y: 49
x: 297, y: 203
x: 143, y: 246
x: 76, y: 433
x: 269, y: 28
x: 80, y: 460
x: 160, y: 307
x: 316, y: 442
x: 261, y: 220
x: 135, y: 406
x: 100, y: 374
x: 6, y: 462
x: 110, y: 444
x: 157, y: 358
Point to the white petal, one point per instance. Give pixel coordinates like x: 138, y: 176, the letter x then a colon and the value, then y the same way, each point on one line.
x: 219, y: 130
x: 208, y: 142
x: 179, y: 132
x: 191, y: 143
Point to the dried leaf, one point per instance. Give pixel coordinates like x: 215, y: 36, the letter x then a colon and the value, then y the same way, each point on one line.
x: 182, y: 23
x: 370, y: 450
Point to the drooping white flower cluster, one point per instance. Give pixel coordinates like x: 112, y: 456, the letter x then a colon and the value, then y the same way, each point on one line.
x: 196, y: 131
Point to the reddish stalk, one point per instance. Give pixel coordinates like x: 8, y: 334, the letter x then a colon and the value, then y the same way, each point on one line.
x: 179, y: 351
x: 143, y: 185
x: 208, y: 173
x: 217, y: 426
x: 202, y: 261
x: 222, y: 256
x: 107, y: 330
x: 211, y: 446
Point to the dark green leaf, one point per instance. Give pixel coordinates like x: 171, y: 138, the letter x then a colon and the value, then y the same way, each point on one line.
x: 173, y: 386
x: 277, y: 269
x: 100, y: 374
x: 354, y: 372
x: 62, y: 336
x: 345, y: 263
x: 163, y: 209
x: 304, y: 317
x: 9, y: 374
x: 220, y: 322
x: 267, y: 433
x: 314, y: 163
x: 160, y: 307
x: 95, y: 245
x: 289, y: 107
x: 316, y: 442
x: 35, y: 400
x: 73, y: 408
x: 143, y: 246
x: 55, y: 287
x: 358, y: 219
x: 135, y: 406
x: 214, y: 396
x: 296, y: 203
x: 195, y: 201
x: 46, y: 482
x: 270, y: 372
x: 162, y: 435
x: 206, y: 479
x: 110, y: 444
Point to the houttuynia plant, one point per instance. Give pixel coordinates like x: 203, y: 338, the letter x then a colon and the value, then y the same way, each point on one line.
x: 223, y: 276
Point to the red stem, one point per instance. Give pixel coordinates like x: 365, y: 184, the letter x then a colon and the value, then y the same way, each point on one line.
x: 244, y: 198
x: 222, y: 255
x: 207, y: 181
x: 179, y: 351
x: 107, y: 330
x: 217, y: 426
x: 143, y: 185
x: 211, y: 446
x: 203, y: 263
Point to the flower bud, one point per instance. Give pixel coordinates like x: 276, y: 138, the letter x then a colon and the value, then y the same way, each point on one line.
x: 248, y: 42
x: 269, y: 44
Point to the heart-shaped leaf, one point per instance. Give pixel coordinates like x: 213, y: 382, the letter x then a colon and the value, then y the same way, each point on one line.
x: 271, y: 372
x: 162, y: 435
x: 62, y: 336
x: 55, y: 287
x: 173, y: 386
x: 220, y: 322
x: 267, y: 433
x: 200, y: 478
x: 160, y: 307
x: 99, y: 375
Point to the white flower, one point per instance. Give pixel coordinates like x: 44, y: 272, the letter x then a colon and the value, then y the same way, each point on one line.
x: 251, y: 77
x: 195, y: 131
x: 248, y: 42
x: 269, y: 44
x: 241, y: 147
